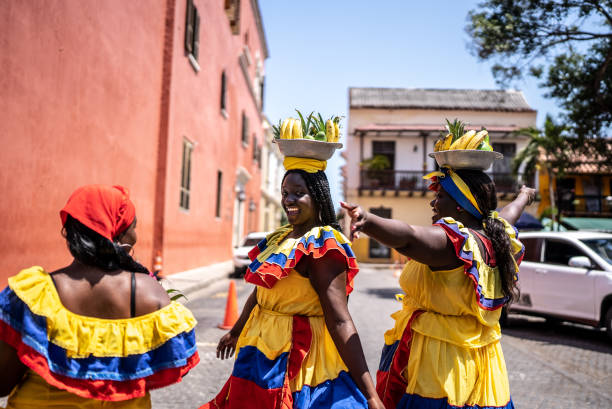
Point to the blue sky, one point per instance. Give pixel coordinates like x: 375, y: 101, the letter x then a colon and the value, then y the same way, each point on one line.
x: 318, y: 49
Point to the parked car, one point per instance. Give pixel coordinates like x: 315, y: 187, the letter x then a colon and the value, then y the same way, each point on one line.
x: 567, y: 276
x: 241, y: 253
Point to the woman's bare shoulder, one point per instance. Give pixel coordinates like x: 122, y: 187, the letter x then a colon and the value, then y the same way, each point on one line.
x: 150, y: 295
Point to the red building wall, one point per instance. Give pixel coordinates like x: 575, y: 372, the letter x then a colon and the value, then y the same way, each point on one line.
x: 196, y: 115
x: 102, y: 92
x: 76, y: 108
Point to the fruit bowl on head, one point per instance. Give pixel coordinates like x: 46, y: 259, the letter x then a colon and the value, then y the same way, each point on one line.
x: 307, y: 148
x: 466, y: 158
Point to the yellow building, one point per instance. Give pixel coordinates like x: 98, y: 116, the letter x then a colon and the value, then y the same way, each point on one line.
x: 402, y: 125
x: 585, y: 190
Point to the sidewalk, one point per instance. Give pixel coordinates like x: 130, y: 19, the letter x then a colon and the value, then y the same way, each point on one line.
x: 190, y: 281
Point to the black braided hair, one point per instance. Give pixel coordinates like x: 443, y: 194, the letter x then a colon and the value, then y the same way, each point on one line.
x: 483, y: 189
x: 318, y: 188
x: 93, y: 249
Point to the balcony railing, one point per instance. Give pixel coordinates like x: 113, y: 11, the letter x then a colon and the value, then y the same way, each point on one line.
x: 409, y: 180
x: 585, y: 205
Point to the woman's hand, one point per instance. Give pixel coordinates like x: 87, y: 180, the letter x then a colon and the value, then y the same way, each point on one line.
x: 227, y: 345
x: 512, y: 211
x: 358, y: 218
x: 529, y: 192
x: 375, y: 403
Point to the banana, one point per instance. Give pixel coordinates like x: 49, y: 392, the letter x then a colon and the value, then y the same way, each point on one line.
x: 447, y: 142
x: 336, y: 131
x: 476, y: 140
x: 285, y: 132
x: 296, y: 130
x: 438, y: 145
x: 461, y: 142
x: 330, y: 131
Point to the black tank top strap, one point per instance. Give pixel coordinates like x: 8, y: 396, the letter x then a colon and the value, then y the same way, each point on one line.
x: 133, y: 296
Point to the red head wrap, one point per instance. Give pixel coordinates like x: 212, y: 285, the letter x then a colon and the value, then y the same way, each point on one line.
x: 106, y: 210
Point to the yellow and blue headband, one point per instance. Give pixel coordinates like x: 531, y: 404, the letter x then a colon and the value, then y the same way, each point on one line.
x: 310, y: 165
x: 452, y: 184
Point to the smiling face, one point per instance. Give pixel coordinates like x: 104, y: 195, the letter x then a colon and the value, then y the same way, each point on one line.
x: 443, y: 205
x: 297, y: 202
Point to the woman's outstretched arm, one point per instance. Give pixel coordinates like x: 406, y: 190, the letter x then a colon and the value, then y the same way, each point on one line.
x: 512, y: 211
x: 227, y: 343
x: 328, y: 278
x: 425, y: 244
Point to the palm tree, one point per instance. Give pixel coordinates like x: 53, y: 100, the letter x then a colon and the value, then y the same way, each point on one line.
x: 548, y: 149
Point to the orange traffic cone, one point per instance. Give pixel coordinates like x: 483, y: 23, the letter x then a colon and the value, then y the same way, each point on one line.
x: 231, y: 308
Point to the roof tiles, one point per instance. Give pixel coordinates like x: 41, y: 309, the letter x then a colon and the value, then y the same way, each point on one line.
x: 418, y: 98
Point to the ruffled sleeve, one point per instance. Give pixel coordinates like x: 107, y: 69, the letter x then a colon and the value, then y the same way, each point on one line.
x: 518, y: 248
x: 486, y: 279
x: 274, y: 257
x: 94, y: 358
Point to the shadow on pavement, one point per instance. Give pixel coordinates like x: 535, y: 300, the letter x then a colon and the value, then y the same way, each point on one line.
x: 563, y: 333
x: 384, y: 292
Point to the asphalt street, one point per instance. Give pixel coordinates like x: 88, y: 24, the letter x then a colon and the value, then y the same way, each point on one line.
x: 561, y: 366
x: 550, y: 366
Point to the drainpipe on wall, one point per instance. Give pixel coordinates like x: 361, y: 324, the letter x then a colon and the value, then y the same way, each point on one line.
x: 424, y: 136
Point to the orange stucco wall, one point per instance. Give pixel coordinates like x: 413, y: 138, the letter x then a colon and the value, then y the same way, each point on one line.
x: 76, y: 108
x: 196, y: 237
x: 83, y: 101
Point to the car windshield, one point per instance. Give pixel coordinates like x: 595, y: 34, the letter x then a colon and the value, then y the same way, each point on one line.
x: 603, y: 248
x: 251, y: 241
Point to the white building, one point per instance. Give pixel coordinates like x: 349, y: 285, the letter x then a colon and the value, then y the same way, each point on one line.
x: 270, y: 208
x: 403, y: 125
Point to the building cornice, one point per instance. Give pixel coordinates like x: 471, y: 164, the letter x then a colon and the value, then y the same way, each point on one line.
x: 260, y: 27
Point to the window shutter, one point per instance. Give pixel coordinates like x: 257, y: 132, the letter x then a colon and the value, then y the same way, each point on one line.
x: 223, y: 90
x: 261, y: 93
x: 244, y: 128
x: 189, y: 27
x: 196, y: 35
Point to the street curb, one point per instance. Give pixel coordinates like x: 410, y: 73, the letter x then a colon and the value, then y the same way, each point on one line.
x: 191, y: 281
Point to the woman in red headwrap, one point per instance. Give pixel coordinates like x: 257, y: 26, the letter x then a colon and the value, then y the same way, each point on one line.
x: 96, y: 332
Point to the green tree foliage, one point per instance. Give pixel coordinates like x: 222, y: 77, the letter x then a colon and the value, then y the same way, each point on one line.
x: 549, y: 146
x: 567, y: 44
x: 549, y: 150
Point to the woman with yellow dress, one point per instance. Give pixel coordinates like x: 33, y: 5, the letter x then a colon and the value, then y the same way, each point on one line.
x: 295, y: 342
x: 100, y: 332
x: 444, y: 350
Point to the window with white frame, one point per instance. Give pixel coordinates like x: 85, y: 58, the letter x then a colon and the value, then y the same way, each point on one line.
x: 186, y: 175
x: 192, y: 34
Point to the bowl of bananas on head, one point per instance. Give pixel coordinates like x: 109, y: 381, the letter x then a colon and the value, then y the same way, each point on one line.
x: 310, y: 137
x: 464, y: 150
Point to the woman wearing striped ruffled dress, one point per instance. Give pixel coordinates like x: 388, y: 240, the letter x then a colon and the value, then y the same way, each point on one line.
x: 295, y: 342
x: 100, y: 332
x: 444, y: 351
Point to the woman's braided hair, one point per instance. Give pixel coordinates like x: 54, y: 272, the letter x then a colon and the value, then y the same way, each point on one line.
x: 318, y: 188
x: 483, y: 189
x: 93, y: 249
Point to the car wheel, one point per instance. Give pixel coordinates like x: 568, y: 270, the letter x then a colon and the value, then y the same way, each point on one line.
x: 609, y: 323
